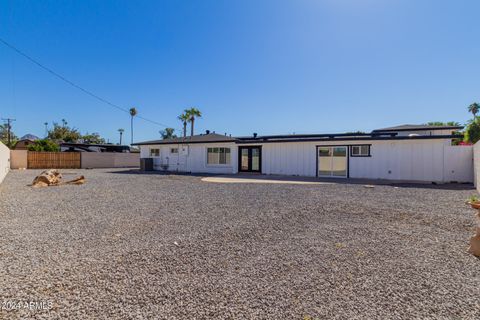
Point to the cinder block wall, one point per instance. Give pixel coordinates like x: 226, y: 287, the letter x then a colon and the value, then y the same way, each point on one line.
x: 110, y: 160
x: 4, y: 161
x: 18, y: 159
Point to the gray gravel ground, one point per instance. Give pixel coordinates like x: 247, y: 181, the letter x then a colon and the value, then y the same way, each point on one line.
x: 149, y: 246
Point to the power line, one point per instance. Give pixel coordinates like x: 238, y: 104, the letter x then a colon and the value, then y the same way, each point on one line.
x: 59, y: 76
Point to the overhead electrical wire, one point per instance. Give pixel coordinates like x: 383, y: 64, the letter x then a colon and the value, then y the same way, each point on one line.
x: 59, y: 76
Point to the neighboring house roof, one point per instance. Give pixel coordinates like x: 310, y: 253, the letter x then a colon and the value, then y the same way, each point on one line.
x: 87, y: 147
x: 22, y: 144
x: 416, y: 127
x: 200, y: 138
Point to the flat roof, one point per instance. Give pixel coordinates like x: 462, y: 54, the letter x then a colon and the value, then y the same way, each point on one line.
x: 349, y: 138
x: 417, y: 127
x: 295, y: 138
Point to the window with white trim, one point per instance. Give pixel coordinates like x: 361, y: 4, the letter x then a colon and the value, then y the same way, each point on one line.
x: 360, y: 151
x: 218, y: 156
x: 154, y: 152
x: 174, y: 150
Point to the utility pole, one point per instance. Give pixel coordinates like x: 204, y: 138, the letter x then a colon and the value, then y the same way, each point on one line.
x: 46, y: 129
x: 9, y: 127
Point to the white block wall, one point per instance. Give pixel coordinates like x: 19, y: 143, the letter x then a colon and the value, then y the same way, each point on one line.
x: 4, y: 161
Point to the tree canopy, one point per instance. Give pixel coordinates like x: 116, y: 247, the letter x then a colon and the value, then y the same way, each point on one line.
x: 168, y: 133
x: 94, y: 138
x: 44, y: 145
x: 63, y: 132
x: 472, y: 131
x: 4, y: 135
x: 440, y: 123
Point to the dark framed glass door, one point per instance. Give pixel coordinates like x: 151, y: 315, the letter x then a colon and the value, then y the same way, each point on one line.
x: 250, y: 159
x: 332, y: 161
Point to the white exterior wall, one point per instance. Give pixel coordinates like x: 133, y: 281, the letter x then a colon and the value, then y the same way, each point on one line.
x: 408, y: 160
x: 293, y: 158
x: 191, y: 158
x: 4, y: 161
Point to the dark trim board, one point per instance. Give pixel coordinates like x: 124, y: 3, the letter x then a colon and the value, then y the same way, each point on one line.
x: 373, y: 138
x: 305, y: 138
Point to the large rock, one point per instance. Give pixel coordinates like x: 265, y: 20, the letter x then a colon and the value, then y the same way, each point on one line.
x: 475, y: 244
x: 53, y: 177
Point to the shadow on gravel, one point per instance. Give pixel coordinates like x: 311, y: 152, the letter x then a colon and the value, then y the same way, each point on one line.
x: 398, y: 184
x: 163, y: 173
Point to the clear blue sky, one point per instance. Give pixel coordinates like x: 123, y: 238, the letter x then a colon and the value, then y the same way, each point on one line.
x: 270, y: 66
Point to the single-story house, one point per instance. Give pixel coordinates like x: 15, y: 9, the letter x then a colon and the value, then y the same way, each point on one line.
x: 404, y: 153
x: 25, y: 141
x: 23, y: 144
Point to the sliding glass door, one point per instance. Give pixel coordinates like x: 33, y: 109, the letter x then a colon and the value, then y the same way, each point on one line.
x: 332, y: 161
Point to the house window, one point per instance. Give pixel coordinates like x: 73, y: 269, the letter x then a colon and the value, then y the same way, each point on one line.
x: 154, y: 152
x: 174, y: 150
x: 360, y: 151
x: 218, y: 156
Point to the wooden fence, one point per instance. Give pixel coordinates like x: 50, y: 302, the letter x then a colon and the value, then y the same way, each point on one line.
x: 53, y: 160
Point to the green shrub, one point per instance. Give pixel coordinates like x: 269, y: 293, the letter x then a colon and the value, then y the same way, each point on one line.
x: 44, y: 145
x: 472, y: 132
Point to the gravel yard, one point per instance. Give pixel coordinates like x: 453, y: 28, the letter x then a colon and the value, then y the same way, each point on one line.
x: 128, y: 246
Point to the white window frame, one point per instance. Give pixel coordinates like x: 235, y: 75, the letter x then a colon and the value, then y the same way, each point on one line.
x: 174, y: 150
x: 227, y: 164
x: 154, y: 155
x: 364, y: 150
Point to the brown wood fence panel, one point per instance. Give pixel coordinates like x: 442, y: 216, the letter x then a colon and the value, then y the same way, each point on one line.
x: 53, y: 160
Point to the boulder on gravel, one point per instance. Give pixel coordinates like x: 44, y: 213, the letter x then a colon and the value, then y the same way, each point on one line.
x: 53, y: 177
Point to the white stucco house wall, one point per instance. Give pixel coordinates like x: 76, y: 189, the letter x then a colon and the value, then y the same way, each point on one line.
x: 402, y: 153
x: 4, y: 161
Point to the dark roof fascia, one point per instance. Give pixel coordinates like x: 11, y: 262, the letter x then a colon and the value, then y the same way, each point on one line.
x: 371, y: 138
x: 330, y: 135
x: 419, y: 129
x: 159, y: 142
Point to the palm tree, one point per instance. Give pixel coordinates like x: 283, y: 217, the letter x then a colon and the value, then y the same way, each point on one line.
x: 192, y: 113
x: 474, y: 108
x: 133, y: 113
x: 121, y: 133
x: 184, y: 117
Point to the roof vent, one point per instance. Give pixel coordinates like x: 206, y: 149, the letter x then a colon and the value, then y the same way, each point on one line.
x: 254, y: 134
x: 207, y: 131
